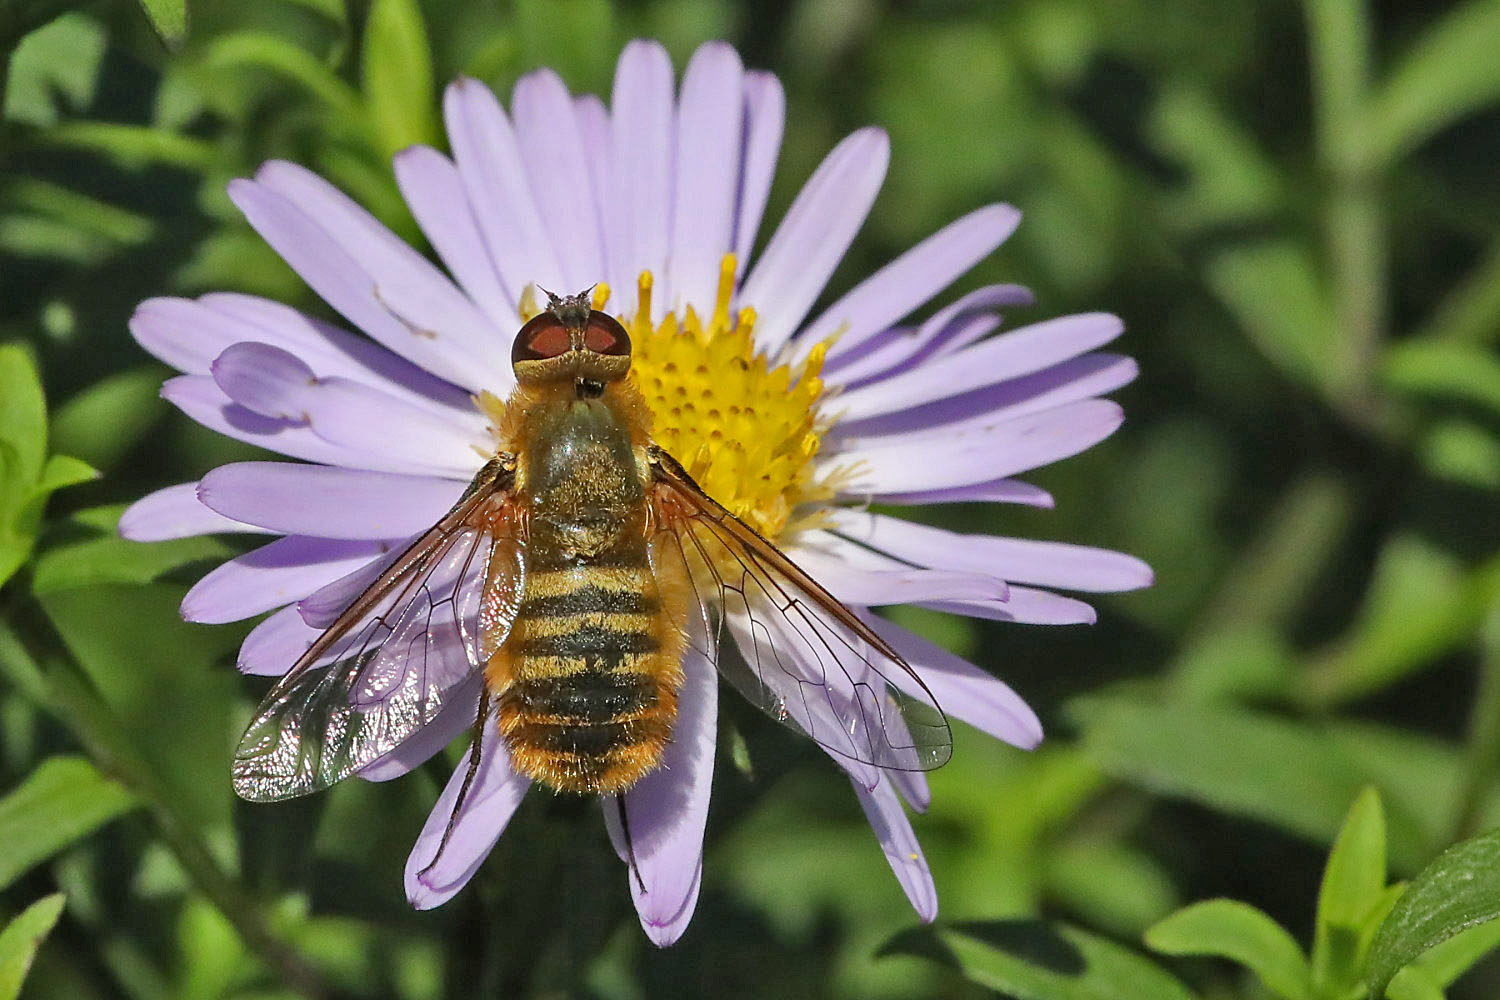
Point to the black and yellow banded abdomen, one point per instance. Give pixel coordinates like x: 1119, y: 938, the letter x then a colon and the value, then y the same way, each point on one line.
x: 588, y: 677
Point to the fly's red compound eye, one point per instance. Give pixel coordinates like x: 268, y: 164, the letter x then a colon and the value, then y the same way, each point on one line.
x: 604, y: 335
x: 542, y: 337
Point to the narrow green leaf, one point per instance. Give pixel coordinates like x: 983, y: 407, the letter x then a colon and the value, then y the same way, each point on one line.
x: 96, y: 554
x: 1445, y: 962
x: 1450, y: 72
x: 1412, y: 983
x: 1463, y: 451
x: 168, y: 17
x: 1353, y: 883
x: 104, y: 421
x: 21, y: 939
x: 1035, y: 960
x: 1276, y: 293
x: 1237, y: 931
x: 1457, y: 891
x: 132, y: 146
x: 56, y: 65
x: 62, y: 801
x: 23, y: 423
x: 249, y: 49
x: 396, y: 72
x: 1466, y: 372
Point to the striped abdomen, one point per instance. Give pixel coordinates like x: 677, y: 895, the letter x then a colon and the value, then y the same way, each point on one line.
x: 588, y: 677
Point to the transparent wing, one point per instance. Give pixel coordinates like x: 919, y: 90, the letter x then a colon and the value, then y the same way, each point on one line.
x: 391, y: 660
x: 795, y: 651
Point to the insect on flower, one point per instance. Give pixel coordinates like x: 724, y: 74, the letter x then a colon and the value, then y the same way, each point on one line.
x: 564, y: 573
x: 574, y: 572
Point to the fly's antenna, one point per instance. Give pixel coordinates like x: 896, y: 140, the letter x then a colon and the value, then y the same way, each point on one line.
x: 571, y: 310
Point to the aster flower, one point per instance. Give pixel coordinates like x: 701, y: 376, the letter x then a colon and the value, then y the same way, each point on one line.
x: 794, y: 424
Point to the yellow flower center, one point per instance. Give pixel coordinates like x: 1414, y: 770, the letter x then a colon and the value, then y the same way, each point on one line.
x: 746, y: 430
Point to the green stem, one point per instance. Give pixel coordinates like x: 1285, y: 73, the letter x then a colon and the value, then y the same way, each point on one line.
x: 1353, y: 220
x: 1483, y: 750
x: 63, y: 692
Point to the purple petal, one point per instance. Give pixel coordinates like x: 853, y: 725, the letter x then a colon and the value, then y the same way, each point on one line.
x: 331, y: 270
x: 935, y: 460
x: 996, y: 491
x: 200, y: 398
x: 813, y: 237
x: 709, y: 135
x: 455, y: 718
x: 1051, y: 564
x: 322, y: 607
x: 1020, y: 352
x: 667, y: 810
x: 1079, y: 378
x: 277, y: 573
x: 960, y: 688
x: 433, y: 188
x: 598, y: 146
x: 884, y: 352
x: 914, y: 277
x: 899, y: 843
x: 175, y: 512
x: 494, y: 176
x: 492, y: 800
x: 346, y: 413
x: 765, y: 116
x: 548, y: 133
x: 328, y: 502
x: 1025, y: 606
x: 276, y: 643
x: 457, y: 338
x: 641, y: 205
x: 835, y: 567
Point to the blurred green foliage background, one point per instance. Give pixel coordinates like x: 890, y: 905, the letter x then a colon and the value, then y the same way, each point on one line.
x: 1295, y: 208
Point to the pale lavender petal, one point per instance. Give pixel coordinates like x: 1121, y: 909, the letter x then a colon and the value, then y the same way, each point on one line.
x: 641, y: 205
x: 996, y: 491
x: 709, y: 135
x: 888, y: 356
x: 492, y: 800
x: 1078, y: 378
x: 433, y: 188
x: 934, y: 332
x: 913, y: 788
x: 598, y: 145
x: 855, y: 584
x: 328, y: 502
x: 547, y: 129
x: 1050, y: 564
x: 333, y: 272
x: 961, y: 689
x: 813, y: 237
x: 176, y: 512
x: 494, y: 177
x: 914, y: 277
x: 458, y: 339
x: 201, y: 399
x: 899, y: 843
x: 348, y: 414
x: 935, y: 460
x: 667, y: 810
x: 277, y: 573
x: 331, y: 350
x: 455, y: 718
x: 322, y: 607
x: 1019, y: 352
x: 765, y: 116
x: 1024, y: 605
x: 276, y: 643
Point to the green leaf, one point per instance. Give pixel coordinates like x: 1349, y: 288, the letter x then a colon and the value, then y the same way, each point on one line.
x: 1457, y: 891
x: 1353, y: 884
x: 132, y: 146
x: 1276, y: 293
x: 62, y: 801
x: 1462, y: 451
x: 396, y: 72
x: 21, y: 939
x: 1447, y: 74
x: 1412, y: 983
x: 23, y: 425
x: 1465, y: 372
x: 56, y: 64
x: 1034, y: 960
x: 107, y: 419
x: 253, y: 50
x: 1445, y: 962
x: 168, y: 17
x: 1237, y: 931
x: 96, y: 554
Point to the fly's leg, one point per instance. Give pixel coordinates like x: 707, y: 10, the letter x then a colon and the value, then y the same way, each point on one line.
x: 476, y: 746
